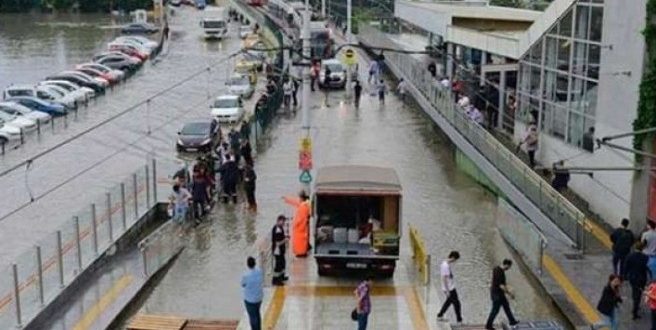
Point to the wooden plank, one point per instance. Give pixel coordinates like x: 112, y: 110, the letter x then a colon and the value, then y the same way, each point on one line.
x: 211, y: 325
x: 156, y: 322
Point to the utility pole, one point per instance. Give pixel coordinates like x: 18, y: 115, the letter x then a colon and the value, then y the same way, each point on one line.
x: 305, y: 35
x: 323, y: 9
x: 349, y: 38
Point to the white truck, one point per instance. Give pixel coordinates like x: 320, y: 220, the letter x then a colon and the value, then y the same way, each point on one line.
x: 214, y: 22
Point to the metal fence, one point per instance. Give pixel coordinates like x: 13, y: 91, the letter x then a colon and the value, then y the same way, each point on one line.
x: 420, y: 255
x: 39, y: 275
x: 521, y: 234
x: 561, y: 212
x: 160, y: 246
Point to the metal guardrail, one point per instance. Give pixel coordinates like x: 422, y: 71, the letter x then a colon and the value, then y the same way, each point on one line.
x: 420, y: 255
x: 39, y: 275
x: 524, y: 237
x: 569, y: 219
x: 159, y: 247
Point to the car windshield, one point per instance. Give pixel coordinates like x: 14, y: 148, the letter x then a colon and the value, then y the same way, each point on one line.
x: 19, y: 92
x: 55, y: 91
x: 226, y: 103
x: 210, y: 24
x: 335, y: 67
x: 238, y: 81
x: 196, y: 129
x: 6, y: 117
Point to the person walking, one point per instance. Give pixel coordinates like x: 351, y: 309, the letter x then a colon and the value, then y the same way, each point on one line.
x: 200, y: 191
x: 373, y: 72
x: 180, y: 200
x: 357, y: 93
x: 363, y: 302
x: 609, y: 303
x: 288, y: 90
x: 637, y: 273
x: 249, y: 186
x: 295, y: 92
x: 650, y: 299
x: 229, y: 177
x: 449, y: 288
x: 531, y: 143
x: 314, y: 74
x: 649, y: 238
x: 251, y: 286
x: 401, y: 89
x: 300, y: 224
x: 432, y: 68
x: 246, y: 151
x: 278, y: 249
x: 498, y: 292
x: 622, y: 239
x: 382, y: 90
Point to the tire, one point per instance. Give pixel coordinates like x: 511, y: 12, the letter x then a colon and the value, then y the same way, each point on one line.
x: 322, y: 272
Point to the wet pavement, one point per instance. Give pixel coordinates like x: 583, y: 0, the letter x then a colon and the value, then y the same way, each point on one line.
x: 61, y: 180
x: 450, y: 210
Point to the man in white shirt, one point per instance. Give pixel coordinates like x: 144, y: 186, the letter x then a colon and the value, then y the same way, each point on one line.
x: 449, y: 287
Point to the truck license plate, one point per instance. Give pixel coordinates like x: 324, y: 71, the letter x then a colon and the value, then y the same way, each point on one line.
x: 356, y: 265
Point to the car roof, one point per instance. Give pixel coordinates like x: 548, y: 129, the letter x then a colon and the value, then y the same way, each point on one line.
x: 19, y: 86
x: 227, y: 97
x: 357, y: 178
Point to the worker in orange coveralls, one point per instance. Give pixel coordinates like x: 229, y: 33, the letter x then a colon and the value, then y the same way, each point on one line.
x: 300, y: 224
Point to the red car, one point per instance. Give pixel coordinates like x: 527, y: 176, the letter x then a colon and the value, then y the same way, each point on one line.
x: 97, y: 73
x: 128, y: 50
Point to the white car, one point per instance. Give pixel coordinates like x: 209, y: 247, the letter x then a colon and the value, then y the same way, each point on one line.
x: 337, y: 74
x: 41, y: 92
x: 240, y: 85
x: 99, y: 80
x: 19, y: 110
x: 140, y: 40
x: 9, y: 133
x: 245, y: 31
x: 89, y: 93
x: 77, y: 97
x: 227, y: 108
x: 59, y: 95
x: 117, y: 75
x: 26, y: 124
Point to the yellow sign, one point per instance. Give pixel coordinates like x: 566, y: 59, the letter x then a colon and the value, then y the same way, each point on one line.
x: 306, y: 145
x: 349, y: 57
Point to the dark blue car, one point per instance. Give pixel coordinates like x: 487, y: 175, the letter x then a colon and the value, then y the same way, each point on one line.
x: 139, y: 28
x: 37, y: 104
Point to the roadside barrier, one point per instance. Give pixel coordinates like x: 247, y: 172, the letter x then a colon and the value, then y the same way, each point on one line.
x: 419, y: 255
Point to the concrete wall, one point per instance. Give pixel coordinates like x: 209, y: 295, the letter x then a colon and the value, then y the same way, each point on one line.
x: 609, y: 193
x: 470, y: 168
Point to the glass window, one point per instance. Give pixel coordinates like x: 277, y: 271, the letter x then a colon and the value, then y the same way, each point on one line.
x: 582, y: 19
x: 533, y: 109
x: 591, y: 97
x: 549, y: 85
x: 561, y: 89
x: 551, y: 54
x: 596, y: 21
x: 559, y: 122
x: 535, y: 55
x: 565, y: 28
x: 594, y: 54
x: 578, y: 92
x: 553, y: 30
x: 576, y: 129
x: 579, y: 62
x: 563, y: 54
x: 534, y: 87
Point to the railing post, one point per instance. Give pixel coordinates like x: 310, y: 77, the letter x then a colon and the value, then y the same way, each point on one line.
x: 60, y: 259
x: 154, y: 162
x: 147, y: 172
x: 123, y: 211
x: 136, y: 193
x: 17, y: 304
x: 94, y: 229
x: 39, y: 274
x: 78, y: 246
x: 428, y: 270
x: 144, y: 258
x: 109, y: 217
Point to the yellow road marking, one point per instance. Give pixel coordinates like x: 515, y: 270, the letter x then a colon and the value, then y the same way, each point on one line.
x: 570, y: 289
x: 108, y: 298
x: 274, y: 309
x: 599, y: 233
x: 416, y: 312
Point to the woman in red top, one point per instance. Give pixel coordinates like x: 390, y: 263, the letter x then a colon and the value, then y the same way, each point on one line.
x: 650, y: 298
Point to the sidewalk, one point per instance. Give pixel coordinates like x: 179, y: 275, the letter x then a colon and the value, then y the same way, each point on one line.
x: 574, y: 280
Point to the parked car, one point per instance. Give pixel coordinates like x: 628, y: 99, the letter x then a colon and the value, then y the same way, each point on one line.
x: 245, y: 31
x: 175, y: 3
x: 37, y: 104
x: 113, y: 80
x: 139, y: 41
x: 139, y: 28
x: 40, y: 92
x: 240, y: 85
x: 129, y: 49
x: 71, y: 87
x: 8, y: 133
x: 80, y: 79
x: 337, y: 77
x: 113, y: 74
x: 200, y: 135
x: 102, y: 81
x: 227, y: 108
x: 119, y: 61
x: 26, y: 124
x: 16, y: 109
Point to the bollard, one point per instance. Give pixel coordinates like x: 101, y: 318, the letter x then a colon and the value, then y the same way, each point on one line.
x: 94, y: 229
x: 136, y: 199
x: 147, y: 172
x: 19, y: 323
x: 154, y: 181
x: 109, y: 217
x: 60, y: 259
x: 39, y: 273
x: 38, y: 127
x: 52, y: 124
x: 123, y: 211
x: 3, y: 146
x: 22, y: 136
x: 78, y: 246
x: 144, y: 258
x: 66, y: 119
x: 75, y: 109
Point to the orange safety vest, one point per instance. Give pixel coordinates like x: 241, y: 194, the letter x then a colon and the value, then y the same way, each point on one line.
x: 300, y: 230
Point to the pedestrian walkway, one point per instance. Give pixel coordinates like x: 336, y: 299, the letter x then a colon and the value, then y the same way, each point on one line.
x: 573, y: 279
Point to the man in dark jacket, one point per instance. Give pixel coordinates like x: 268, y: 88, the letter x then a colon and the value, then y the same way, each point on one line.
x: 229, y: 177
x: 249, y: 186
x: 623, y: 240
x: 498, y: 291
x: 278, y: 249
x: 637, y: 272
x: 609, y: 302
x: 246, y: 151
x: 561, y: 176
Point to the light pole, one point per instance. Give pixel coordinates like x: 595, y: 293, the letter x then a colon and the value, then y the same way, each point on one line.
x: 349, y: 38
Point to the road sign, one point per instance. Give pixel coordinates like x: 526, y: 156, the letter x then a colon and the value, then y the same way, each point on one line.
x: 305, y: 160
x: 306, y: 144
x: 305, y: 177
x: 349, y: 57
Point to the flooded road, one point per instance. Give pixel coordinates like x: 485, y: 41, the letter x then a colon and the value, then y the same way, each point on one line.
x: 451, y: 211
